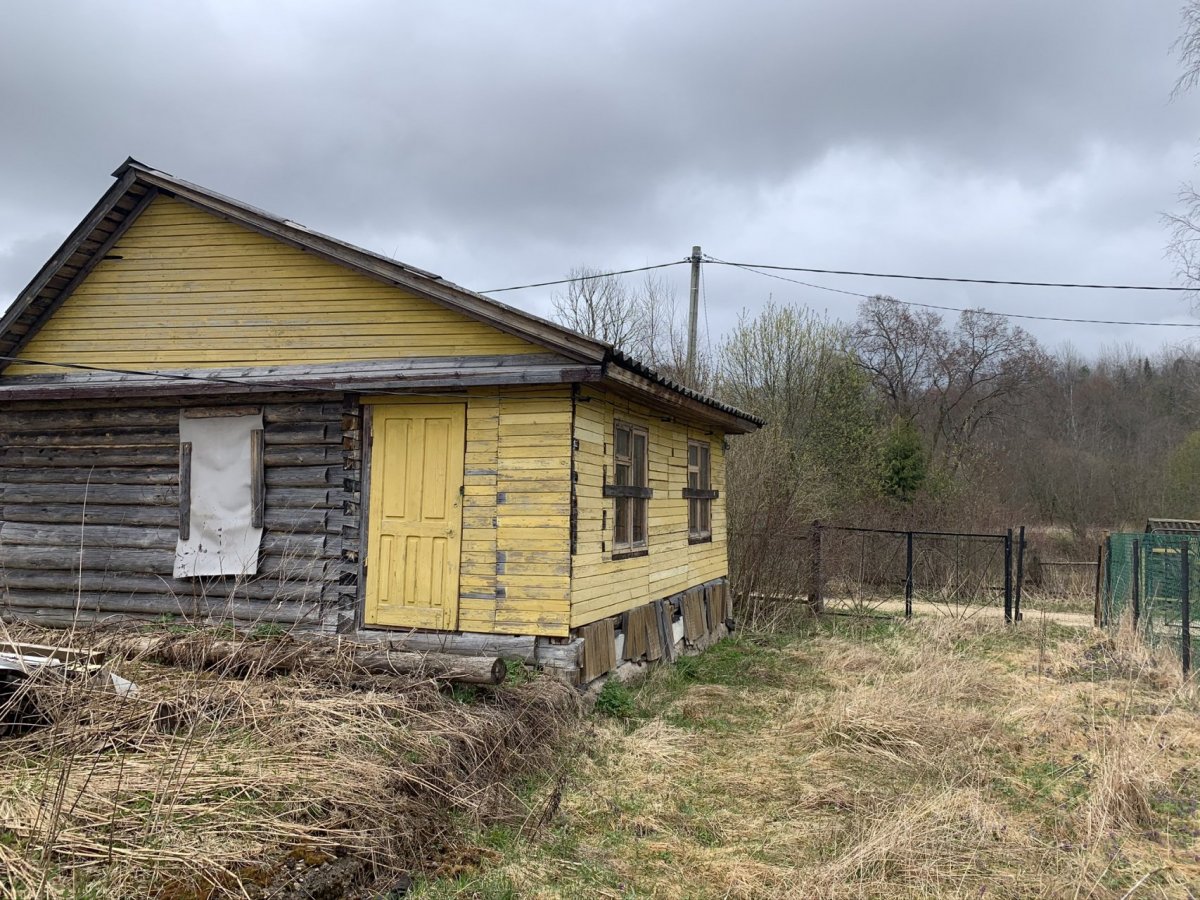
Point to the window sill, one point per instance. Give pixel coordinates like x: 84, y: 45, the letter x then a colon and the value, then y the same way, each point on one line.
x: 630, y: 554
x: 706, y: 539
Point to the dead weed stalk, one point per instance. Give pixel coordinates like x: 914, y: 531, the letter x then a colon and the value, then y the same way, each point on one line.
x: 203, y: 786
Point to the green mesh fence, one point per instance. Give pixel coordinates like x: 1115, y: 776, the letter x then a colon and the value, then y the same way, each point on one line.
x: 1159, y: 585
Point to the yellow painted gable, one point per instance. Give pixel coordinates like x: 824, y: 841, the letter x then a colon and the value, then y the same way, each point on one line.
x: 183, y: 289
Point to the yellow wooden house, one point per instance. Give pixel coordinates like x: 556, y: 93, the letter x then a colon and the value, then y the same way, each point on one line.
x: 211, y: 413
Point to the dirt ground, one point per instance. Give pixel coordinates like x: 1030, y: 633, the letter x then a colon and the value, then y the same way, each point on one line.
x: 991, y: 613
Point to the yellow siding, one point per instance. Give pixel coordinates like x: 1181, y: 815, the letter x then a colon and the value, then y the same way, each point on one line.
x: 601, y: 586
x: 516, y: 512
x: 193, y: 291
x: 533, y: 525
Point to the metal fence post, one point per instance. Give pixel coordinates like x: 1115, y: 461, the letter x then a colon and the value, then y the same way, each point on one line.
x: 1185, y: 591
x: 1008, y: 580
x: 908, y: 577
x: 1136, y: 588
x: 1020, y: 573
x: 1106, y: 606
x: 1099, y: 570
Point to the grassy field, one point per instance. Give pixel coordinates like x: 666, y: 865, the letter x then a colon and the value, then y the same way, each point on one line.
x: 870, y: 759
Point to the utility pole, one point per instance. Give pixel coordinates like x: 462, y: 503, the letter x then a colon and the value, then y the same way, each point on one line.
x: 693, y: 313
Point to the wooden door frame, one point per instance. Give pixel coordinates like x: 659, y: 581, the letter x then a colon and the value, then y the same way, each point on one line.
x: 364, y: 513
x: 367, y: 405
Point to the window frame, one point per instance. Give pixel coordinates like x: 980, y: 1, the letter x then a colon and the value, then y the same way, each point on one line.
x: 700, y: 494
x: 630, y: 491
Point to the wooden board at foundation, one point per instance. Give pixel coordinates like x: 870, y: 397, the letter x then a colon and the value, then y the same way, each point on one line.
x: 695, y: 625
x: 599, y: 649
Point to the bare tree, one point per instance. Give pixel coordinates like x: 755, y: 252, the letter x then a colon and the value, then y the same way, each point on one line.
x: 1184, y: 226
x: 947, y: 382
x: 988, y: 366
x: 644, y: 322
x: 902, y: 351
x: 1187, y: 45
x: 599, y: 306
x: 665, y: 346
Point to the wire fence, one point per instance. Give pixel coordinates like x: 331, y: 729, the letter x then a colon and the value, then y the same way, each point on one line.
x: 953, y: 574
x: 1151, y: 580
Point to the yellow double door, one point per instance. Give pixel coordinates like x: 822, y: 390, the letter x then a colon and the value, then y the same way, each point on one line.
x: 414, y: 536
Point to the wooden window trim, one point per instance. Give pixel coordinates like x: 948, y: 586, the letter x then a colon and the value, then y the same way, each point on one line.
x: 631, y: 500
x: 700, y: 498
x: 630, y: 554
x: 628, y: 490
x: 258, y: 487
x: 185, y: 490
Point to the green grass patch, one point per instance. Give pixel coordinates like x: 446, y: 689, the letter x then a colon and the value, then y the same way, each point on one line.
x: 616, y: 701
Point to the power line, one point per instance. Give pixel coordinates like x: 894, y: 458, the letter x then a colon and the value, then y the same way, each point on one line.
x: 1053, y: 284
x: 958, y: 309
x: 522, y: 287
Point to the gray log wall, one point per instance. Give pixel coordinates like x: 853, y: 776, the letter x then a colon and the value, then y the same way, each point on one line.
x: 89, y: 512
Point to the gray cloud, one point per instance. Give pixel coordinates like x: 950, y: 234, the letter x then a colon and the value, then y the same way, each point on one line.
x: 499, y: 143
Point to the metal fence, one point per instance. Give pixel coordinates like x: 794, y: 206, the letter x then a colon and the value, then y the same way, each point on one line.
x: 956, y: 574
x: 1151, y: 579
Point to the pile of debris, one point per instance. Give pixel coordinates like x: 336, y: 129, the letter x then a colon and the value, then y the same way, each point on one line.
x: 209, y: 765
x: 19, y: 662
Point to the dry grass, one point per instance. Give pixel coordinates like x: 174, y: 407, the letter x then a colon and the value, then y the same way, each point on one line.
x: 206, y: 785
x: 941, y: 759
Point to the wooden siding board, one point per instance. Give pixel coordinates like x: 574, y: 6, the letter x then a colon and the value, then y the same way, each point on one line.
x: 132, y: 298
x: 602, y: 586
x: 532, y: 524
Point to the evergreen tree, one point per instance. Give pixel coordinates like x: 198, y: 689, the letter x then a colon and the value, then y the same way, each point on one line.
x: 905, y: 462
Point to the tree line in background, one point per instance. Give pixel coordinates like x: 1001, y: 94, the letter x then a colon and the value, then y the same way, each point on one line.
x: 912, y: 419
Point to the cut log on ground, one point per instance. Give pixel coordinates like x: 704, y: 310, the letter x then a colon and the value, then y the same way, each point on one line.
x: 286, y: 655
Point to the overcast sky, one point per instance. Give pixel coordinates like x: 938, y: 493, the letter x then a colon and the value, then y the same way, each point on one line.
x: 500, y: 143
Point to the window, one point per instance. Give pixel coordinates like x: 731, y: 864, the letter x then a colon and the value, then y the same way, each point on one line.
x: 699, y: 493
x: 630, y: 488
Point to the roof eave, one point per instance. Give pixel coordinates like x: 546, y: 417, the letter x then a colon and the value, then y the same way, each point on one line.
x: 82, y: 232
x: 695, y: 406
x: 745, y: 422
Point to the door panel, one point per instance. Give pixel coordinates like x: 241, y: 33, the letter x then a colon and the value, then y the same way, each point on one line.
x: 415, y: 525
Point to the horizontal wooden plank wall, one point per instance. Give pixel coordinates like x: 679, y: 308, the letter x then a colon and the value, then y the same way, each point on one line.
x: 89, y: 513
x: 183, y: 289
x: 602, y: 586
x: 515, y: 570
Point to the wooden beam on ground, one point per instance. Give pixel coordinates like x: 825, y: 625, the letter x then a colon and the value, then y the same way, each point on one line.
x: 274, y: 656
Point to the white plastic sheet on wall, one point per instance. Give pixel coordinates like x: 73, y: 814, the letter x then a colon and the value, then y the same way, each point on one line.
x: 222, y: 540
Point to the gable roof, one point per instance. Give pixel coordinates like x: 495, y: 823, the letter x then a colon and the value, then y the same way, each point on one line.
x: 137, y: 185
